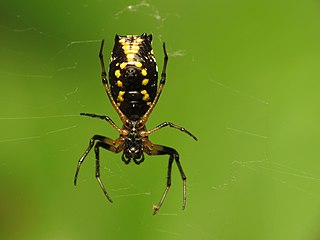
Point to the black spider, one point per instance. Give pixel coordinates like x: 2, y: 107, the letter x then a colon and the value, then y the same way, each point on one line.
x: 133, y: 92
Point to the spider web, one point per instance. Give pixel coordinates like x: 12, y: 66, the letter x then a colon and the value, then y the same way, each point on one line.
x: 56, y: 110
x: 40, y: 119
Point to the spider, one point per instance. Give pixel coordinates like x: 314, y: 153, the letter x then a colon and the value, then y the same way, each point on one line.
x: 133, y: 92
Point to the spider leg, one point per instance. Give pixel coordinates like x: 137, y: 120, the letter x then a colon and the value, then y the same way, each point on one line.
x: 163, y: 150
x: 96, y: 149
x: 106, y: 85
x: 106, y: 118
x: 91, y: 143
x: 165, y: 124
x: 98, y: 141
x: 162, y: 82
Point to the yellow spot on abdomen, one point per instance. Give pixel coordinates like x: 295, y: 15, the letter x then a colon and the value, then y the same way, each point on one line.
x: 119, y: 83
x: 130, y: 57
x: 138, y: 64
x: 135, y: 48
x: 128, y: 48
x: 117, y: 73
x: 123, y: 65
x: 145, y: 95
x: 145, y: 81
x: 144, y: 72
x: 120, y: 96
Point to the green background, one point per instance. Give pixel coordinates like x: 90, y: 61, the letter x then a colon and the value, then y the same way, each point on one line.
x: 243, y: 76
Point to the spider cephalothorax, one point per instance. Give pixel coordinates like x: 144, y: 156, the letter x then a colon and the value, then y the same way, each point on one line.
x: 133, y: 146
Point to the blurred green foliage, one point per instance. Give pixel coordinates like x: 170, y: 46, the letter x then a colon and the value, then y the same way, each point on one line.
x: 243, y: 76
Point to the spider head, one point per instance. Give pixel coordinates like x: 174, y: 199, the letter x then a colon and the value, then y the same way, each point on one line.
x: 133, y: 146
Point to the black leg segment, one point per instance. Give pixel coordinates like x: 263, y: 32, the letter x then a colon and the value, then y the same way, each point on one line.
x: 174, y: 156
x: 103, y: 68
x: 106, y: 118
x: 96, y: 149
x: 97, y: 141
x: 165, y: 124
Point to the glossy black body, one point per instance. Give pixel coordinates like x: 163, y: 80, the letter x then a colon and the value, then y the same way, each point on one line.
x: 131, y: 51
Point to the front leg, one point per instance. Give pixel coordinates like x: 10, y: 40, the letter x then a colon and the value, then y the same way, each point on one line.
x: 98, y: 141
x: 165, y: 124
x: 163, y: 150
x: 106, y: 85
x: 106, y: 118
x: 161, y: 85
x: 91, y: 144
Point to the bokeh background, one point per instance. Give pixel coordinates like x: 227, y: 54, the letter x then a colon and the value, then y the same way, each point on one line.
x: 243, y: 76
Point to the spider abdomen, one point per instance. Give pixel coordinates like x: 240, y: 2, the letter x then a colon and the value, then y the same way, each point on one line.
x: 133, y: 74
